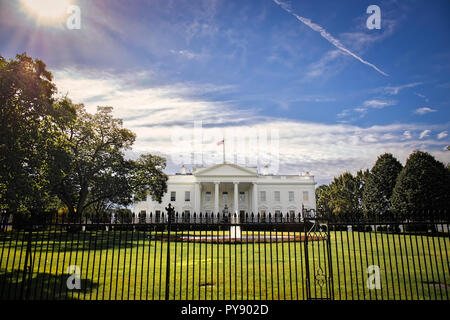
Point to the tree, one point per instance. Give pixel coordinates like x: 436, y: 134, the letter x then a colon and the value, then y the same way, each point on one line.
x: 323, y: 198
x: 423, y: 183
x: 361, y: 182
x: 28, y: 116
x: 89, y: 166
x: 123, y: 215
x: 147, y: 177
x: 53, y: 152
x: 380, y: 184
x: 344, y: 194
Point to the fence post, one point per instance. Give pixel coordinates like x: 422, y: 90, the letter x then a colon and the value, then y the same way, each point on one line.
x: 307, y: 272
x: 330, y: 261
x: 170, y: 211
x: 28, y: 266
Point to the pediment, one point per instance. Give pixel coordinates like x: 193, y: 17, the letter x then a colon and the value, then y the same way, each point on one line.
x: 226, y: 170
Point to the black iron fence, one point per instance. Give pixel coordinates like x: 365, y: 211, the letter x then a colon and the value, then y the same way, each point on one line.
x: 294, y: 257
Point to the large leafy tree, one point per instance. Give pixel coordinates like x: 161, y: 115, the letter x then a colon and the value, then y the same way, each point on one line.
x: 361, y: 184
x: 380, y: 184
x: 28, y: 117
x: 423, y: 184
x: 344, y: 193
x: 323, y: 198
x: 147, y: 177
x: 89, y: 167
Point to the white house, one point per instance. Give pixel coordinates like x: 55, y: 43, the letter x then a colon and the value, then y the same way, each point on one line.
x: 242, y: 189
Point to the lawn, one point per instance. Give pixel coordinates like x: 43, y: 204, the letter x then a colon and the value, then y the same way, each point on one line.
x: 133, y: 265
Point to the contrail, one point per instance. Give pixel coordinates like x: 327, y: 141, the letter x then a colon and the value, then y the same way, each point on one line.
x: 335, y: 42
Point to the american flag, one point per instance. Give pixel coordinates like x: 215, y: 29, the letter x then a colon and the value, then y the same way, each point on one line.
x: 220, y: 142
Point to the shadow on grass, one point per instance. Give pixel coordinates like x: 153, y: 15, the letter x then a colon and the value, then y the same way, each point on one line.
x: 60, y: 241
x: 42, y: 286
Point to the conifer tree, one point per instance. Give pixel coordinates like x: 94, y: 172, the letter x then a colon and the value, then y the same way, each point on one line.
x: 380, y: 184
x: 423, y: 184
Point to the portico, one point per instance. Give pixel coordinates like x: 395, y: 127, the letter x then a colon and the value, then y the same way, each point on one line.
x: 225, y: 184
x: 212, y: 197
x: 241, y: 189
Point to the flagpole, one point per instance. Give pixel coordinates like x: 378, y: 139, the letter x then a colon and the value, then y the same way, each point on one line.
x: 223, y: 144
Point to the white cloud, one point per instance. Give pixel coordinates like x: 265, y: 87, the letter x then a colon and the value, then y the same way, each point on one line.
x: 325, y: 66
x: 148, y: 106
x: 424, y: 110
x: 394, y: 90
x: 378, y: 104
x: 343, y: 113
x: 422, y: 96
x: 424, y: 134
x: 442, y: 135
x: 189, y: 54
x: 352, y: 115
x: 363, y: 38
x: 335, y: 42
x: 154, y: 113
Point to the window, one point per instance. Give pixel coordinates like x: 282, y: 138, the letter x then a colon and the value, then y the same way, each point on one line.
x: 305, y: 196
x: 208, y: 196
x: 186, y: 216
x: 241, y: 196
x: 157, y: 216
x: 291, y: 196
x: 208, y: 215
x: 292, y: 215
x: 262, y: 196
x: 142, y: 216
x: 173, y: 196
x: 263, y: 215
x: 225, y: 196
x: 277, y: 215
x: 241, y: 215
x: 276, y: 195
x: 187, y: 196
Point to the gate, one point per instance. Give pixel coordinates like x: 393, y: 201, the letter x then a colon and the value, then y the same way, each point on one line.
x: 318, y: 262
x: 204, y: 257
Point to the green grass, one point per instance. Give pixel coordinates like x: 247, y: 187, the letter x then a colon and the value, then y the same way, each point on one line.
x: 412, y: 267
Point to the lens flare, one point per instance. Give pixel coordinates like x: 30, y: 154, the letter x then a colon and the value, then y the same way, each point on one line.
x: 46, y: 11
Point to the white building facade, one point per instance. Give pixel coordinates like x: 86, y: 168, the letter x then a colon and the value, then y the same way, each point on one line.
x: 241, y: 189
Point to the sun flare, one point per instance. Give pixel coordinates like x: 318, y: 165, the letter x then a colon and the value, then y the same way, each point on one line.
x: 46, y: 11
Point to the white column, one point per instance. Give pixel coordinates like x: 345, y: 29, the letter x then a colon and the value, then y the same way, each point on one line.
x: 197, y: 198
x: 250, y: 195
x: 235, y: 231
x: 255, y: 198
x: 216, y: 198
x: 236, y: 198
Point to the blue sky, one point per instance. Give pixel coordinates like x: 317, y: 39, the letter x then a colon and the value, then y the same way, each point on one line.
x: 247, y: 65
